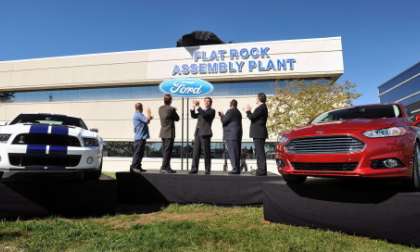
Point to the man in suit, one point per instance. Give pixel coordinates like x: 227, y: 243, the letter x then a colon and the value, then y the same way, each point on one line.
x: 168, y: 116
x: 141, y: 134
x: 232, y: 134
x: 258, y: 131
x: 203, y: 134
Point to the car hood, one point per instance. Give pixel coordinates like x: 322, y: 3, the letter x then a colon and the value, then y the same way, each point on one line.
x: 344, y: 127
x: 20, y: 128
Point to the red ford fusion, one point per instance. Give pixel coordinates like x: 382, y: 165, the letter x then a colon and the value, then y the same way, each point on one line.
x: 374, y: 141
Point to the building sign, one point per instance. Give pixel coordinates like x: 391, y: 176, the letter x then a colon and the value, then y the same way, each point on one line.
x: 251, y: 60
x: 186, y: 87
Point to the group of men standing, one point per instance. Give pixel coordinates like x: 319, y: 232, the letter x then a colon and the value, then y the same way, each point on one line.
x: 205, y: 114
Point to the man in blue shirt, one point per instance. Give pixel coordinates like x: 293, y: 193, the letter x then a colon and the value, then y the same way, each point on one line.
x: 141, y: 133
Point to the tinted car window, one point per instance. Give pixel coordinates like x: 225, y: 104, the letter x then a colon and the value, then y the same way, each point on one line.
x: 49, y: 119
x: 362, y: 112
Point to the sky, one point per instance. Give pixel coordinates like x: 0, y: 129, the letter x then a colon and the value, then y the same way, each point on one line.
x: 380, y: 38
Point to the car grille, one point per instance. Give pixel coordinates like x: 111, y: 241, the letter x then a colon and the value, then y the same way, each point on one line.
x: 325, y: 166
x: 20, y: 159
x: 45, y: 139
x: 314, y: 145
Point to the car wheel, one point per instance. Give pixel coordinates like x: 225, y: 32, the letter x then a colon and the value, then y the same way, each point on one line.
x: 416, y: 168
x: 294, y: 179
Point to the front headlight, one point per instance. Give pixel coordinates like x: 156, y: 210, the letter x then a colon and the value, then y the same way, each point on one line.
x: 90, y: 142
x: 282, y: 139
x: 4, y: 137
x: 389, y: 132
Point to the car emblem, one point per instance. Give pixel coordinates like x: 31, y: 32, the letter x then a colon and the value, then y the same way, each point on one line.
x: 319, y: 132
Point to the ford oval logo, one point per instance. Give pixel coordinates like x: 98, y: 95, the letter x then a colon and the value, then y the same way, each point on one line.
x: 186, y: 87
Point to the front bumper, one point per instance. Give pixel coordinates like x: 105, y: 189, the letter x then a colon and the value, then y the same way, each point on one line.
x: 90, y: 158
x: 400, y: 148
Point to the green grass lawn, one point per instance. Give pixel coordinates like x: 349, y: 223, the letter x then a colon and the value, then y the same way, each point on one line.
x: 179, y: 228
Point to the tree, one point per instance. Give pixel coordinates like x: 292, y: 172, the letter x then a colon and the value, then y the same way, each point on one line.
x: 298, y: 103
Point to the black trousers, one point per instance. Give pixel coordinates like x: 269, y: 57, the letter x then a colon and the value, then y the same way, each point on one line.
x: 259, y: 144
x: 138, y: 152
x: 234, y: 150
x: 167, y: 146
x: 201, y: 144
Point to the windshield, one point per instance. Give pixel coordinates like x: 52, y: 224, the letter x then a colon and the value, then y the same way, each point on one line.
x: 362, y: 112
x: 49, y: 119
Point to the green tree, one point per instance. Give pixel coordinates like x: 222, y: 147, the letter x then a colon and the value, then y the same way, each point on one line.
x: 298, y: 103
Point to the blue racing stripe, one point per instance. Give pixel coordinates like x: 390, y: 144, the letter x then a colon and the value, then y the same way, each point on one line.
x: 39, y: 129
x: 36, y: 149
x: 58, y: 150
x: 60, y: 130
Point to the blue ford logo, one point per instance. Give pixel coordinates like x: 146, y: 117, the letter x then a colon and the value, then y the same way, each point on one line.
x: 186, y: 87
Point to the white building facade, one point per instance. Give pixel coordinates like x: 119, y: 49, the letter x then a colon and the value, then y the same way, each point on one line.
x: 103, y: 88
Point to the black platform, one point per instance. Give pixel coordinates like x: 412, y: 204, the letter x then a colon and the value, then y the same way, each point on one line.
x: 375, y: 209
x: 218, y: 188
x: 56, y: 196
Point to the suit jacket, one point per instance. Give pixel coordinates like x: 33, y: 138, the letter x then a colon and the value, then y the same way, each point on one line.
x: 168, y: 116
x: 205, y: 119
x: 258, y: 119
x: 232, y: 125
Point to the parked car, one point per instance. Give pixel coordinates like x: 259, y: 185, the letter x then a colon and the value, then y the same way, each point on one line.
x: 49, y: 143
x: 373, y: 141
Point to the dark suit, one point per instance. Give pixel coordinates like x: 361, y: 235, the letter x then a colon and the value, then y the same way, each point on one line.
x: 232, y: 134
x: 202, y: 136
x: 258, y: 132
x: 168, y: 116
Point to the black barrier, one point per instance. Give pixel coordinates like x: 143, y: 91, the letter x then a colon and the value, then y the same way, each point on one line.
x: 218, y: 188
x: 377, y: 209
x: 28, y: 198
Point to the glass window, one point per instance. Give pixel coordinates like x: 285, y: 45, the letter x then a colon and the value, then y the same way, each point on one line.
x: 144, y: 92
x: 408, y: 88
x: 371, y: 112
x: 400, y: 78
x: 154, y: 149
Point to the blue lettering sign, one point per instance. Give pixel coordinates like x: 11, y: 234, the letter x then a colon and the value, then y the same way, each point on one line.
x: 233, y: 61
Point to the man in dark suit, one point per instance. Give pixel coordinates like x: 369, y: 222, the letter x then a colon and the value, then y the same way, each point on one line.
x: 168, y: 116
x: 258, y: 131
x: 203, y: 134
x: 232, y: 134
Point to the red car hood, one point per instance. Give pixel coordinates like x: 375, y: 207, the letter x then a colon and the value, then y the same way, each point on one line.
x: 343, y: 127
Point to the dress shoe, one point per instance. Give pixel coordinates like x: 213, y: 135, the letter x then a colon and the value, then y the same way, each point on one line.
x: 167, y: 171
x: 258, y: 173
x: 234, y: 173
x: 207, y: 173
x: 134, y: 170
x: 192, y: 172
x: 261, y: 173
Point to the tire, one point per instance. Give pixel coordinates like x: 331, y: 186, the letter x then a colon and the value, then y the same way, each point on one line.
x: 416, y: 168
x: 294, y: 179
x: 93, y: 175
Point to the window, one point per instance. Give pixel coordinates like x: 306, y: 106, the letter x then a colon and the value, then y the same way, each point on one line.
x: 367, y: 112
x: 154, y: 150
x: 144, y: 92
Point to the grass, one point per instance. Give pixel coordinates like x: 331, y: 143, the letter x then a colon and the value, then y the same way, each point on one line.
x: 179, y: 228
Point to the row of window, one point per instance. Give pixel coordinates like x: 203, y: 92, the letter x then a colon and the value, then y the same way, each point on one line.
x: 154, y: 149
x: 146, y: 92
x: 404, y: 90
x: 400, y: 78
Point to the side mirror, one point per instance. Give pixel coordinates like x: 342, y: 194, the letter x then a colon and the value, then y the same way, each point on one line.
x: 4, y: 123
x: 94, y: 130
x: 417, y: 120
